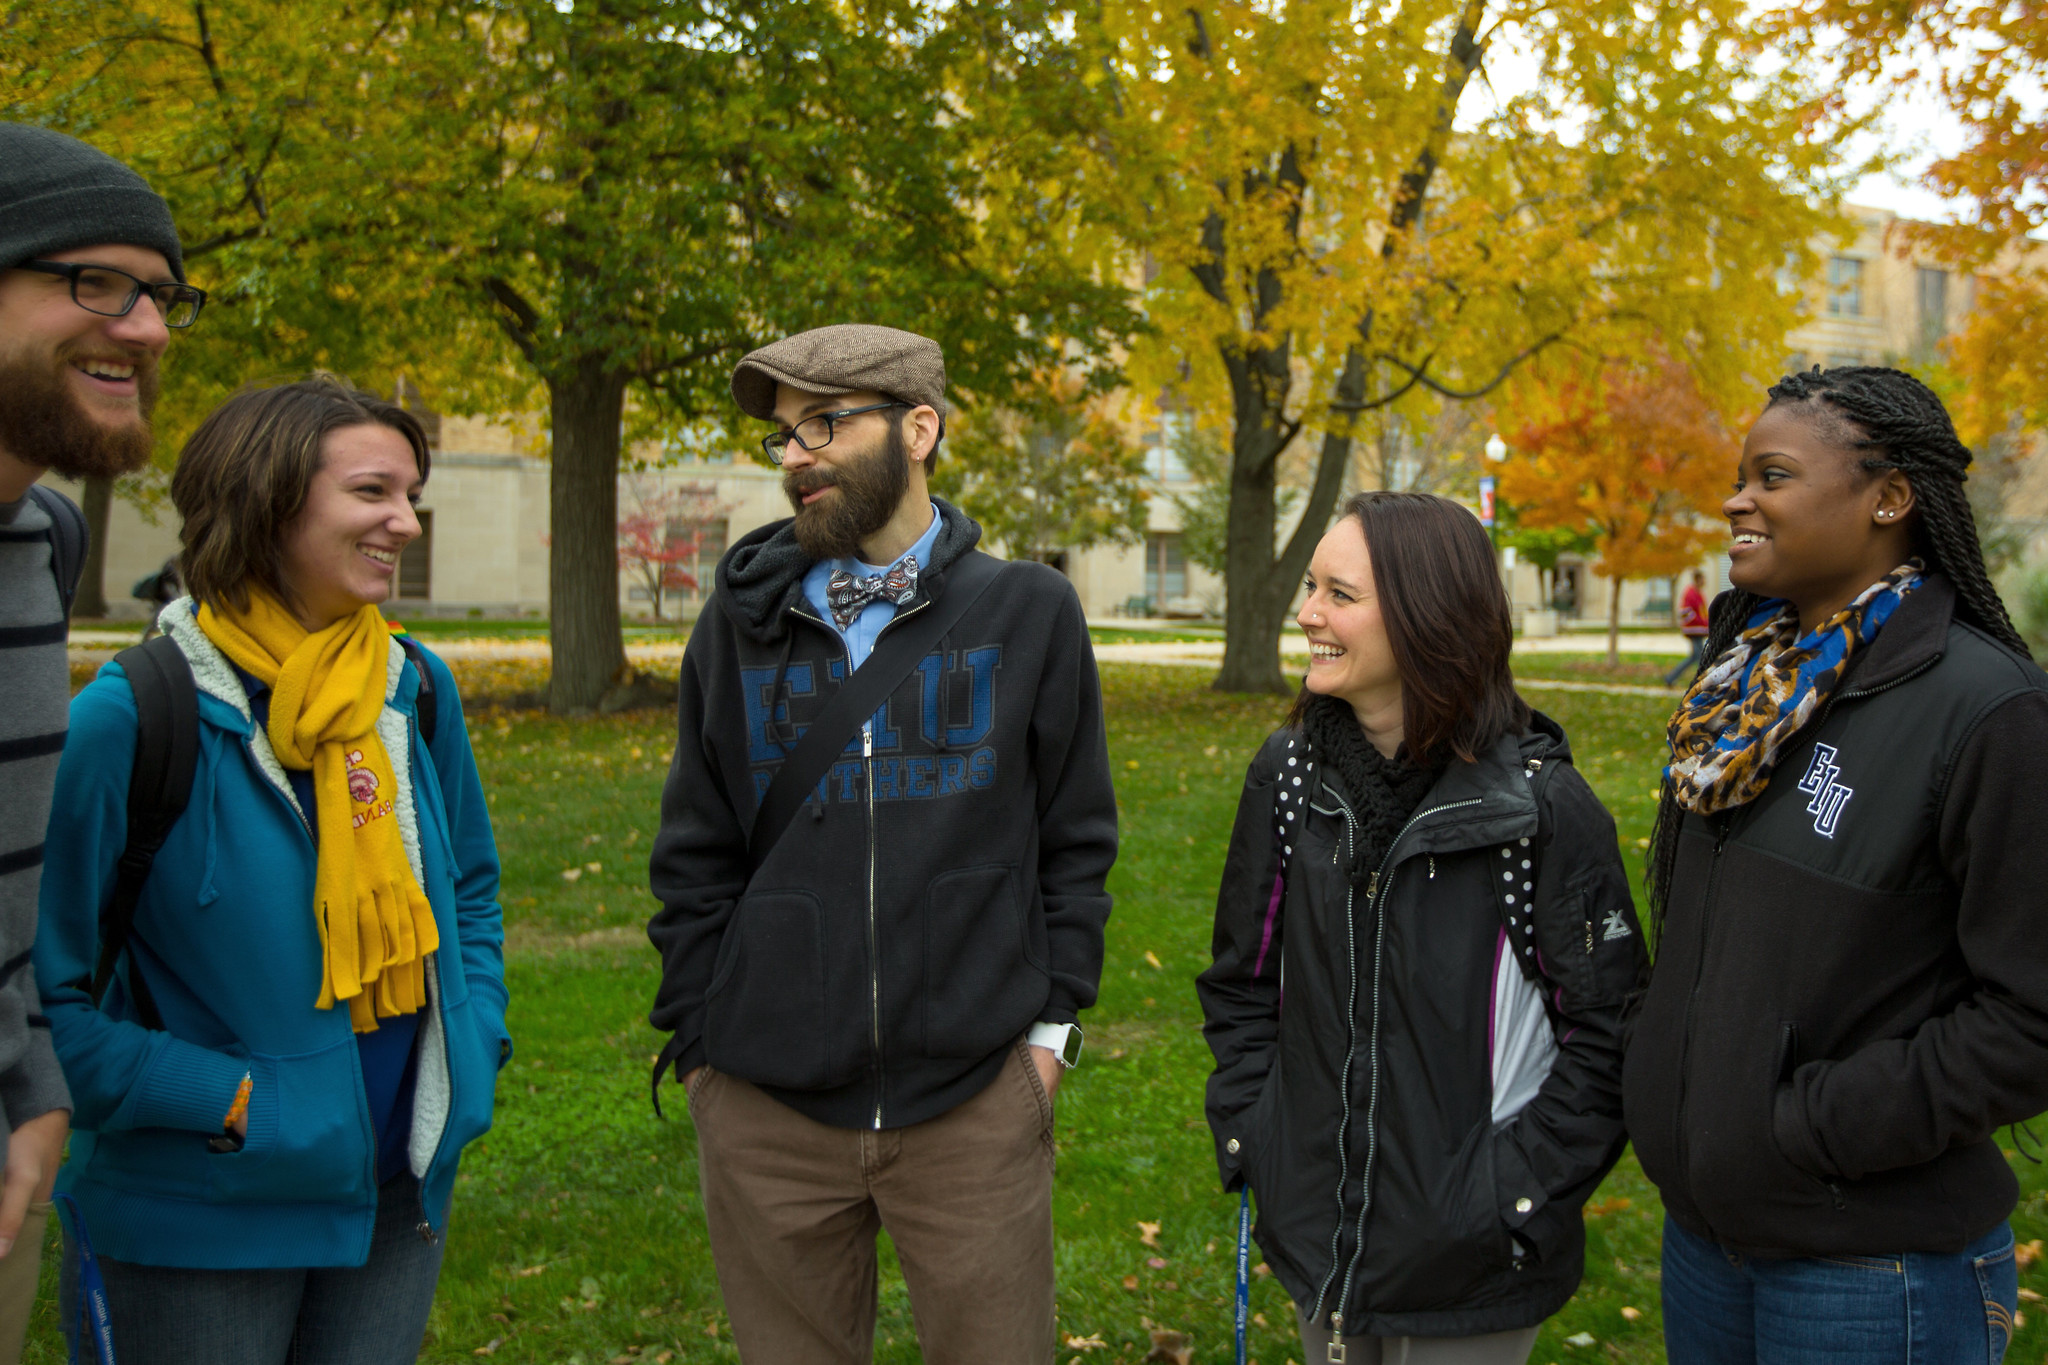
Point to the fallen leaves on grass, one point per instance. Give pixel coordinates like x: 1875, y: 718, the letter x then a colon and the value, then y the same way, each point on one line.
x: 1170, y: 1348
x: 2026, y: 1253
x: 1156, y: 1262
x: 1148, y: 1234
x: 1607, y: 1206
x: 1092, y: 1342
x: 1130, y: 1281
x: 1631, y: 1314
x: 1153, y: 958
x: 527, y: 1271
x: 570, y: 874
x: 489, y: 1348
x: 1581, y: 1339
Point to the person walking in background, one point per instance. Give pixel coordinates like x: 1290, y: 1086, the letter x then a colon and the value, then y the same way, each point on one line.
x: 1851, y: 991
x: 1417, y: 859
x: 1692, y: 624
x: 90, y: 281
x: 159, y: 589
x: 881, y: 862
x: 308, y: 1016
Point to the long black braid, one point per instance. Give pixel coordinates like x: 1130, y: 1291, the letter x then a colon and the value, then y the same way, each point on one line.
x: 1902, y: 425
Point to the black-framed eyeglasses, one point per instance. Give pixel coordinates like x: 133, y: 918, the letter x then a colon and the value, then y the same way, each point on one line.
x: 112, y: 293
x: 815, y: 432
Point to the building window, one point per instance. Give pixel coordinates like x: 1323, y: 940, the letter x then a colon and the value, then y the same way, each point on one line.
x: 416, y: 562
x: 710, y: 548
x: 1166, y: 571
x: 1163, y: 460
x: 1845, y: 286
x: 1933, y: 292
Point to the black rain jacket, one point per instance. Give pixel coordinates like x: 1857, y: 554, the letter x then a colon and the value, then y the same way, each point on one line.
x: 1361, y: 1111
x: 942, y: 893
x: 1851, y: 992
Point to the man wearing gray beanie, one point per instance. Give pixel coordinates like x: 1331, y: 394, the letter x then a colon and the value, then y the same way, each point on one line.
x: 91, y: 278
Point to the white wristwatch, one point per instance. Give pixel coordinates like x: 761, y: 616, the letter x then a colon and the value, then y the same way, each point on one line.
x: 1061, y: 1040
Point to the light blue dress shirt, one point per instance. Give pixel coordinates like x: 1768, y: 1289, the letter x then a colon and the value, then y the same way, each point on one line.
x: 861, y: 632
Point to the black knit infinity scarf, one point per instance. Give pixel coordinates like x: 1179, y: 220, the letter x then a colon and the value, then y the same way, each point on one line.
x: 1382, y: 792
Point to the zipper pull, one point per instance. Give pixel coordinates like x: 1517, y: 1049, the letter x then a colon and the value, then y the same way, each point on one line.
x: 1432, y: 867
x: 867, y: 740
x: 1374, y: 888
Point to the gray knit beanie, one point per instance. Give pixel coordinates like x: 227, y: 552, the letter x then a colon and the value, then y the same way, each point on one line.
x: 57, y: 193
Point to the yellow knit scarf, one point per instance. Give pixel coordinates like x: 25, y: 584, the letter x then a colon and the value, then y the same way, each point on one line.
x: 326, y: 692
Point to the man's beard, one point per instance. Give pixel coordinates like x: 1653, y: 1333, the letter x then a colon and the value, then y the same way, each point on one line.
x: 870, y: 489
x: 42, y: 421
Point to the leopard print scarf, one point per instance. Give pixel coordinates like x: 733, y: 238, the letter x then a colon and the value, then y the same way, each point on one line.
x: 1732, y: 727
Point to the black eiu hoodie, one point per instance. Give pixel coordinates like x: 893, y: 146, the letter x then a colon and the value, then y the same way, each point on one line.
x: 1851, y: 991
x: 1351, y: 1012
x: 942, y: 893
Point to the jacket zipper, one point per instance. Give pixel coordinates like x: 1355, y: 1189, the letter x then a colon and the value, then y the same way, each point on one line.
x: 1375, y: 901
x: 1344, y: 1082
x: 1680, y: 1145
x: 867, y: 756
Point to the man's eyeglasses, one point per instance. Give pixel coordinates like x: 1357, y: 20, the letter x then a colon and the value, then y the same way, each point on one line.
x: 815, y: 432
x: 112, y: 293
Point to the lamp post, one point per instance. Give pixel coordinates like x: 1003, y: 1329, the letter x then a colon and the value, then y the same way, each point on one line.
x: 1496, y: 453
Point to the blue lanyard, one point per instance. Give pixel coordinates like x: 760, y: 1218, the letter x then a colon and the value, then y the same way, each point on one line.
x: 93, y: 1317
x: 1244, y: 1260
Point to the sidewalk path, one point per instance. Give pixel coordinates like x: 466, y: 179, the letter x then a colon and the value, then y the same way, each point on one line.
x: 97, y: 646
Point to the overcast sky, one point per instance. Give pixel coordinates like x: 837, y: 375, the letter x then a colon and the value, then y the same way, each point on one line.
x: 1917, y: 129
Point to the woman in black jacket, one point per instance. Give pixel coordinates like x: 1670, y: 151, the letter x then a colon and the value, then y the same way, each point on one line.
x: 1851, y: 992
x: 1418, y: 862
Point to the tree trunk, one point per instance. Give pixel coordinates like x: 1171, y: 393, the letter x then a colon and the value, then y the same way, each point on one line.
x: 1259, y: 584
x: 1614, y: 623
x: 586, y: 406
x: 97, y: 503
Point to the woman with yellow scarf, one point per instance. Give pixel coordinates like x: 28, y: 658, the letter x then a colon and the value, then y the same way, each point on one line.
x: 306, y: 1025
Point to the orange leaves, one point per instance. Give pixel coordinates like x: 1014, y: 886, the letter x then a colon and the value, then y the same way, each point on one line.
x: 1632, y: 452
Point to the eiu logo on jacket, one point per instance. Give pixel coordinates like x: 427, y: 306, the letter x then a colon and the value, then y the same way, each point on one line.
x: 958, y: 685
x: 1829, y: 796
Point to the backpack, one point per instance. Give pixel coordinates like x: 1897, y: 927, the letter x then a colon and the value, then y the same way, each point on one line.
x: 166, y: 756
x: 69, y: 540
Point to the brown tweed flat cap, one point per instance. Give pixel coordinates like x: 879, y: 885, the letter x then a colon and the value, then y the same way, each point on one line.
x: 844, y: 359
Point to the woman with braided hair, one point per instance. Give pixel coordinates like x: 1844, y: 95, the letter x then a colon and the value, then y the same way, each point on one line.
x: 1851, y: 988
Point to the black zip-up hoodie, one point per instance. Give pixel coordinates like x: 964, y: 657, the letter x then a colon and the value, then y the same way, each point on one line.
x: 1851, y: 990
x: 1362, y: 1112
x: 947, y: 891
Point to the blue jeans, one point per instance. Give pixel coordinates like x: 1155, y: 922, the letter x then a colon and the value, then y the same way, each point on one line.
x: 1692, y: 660
x: 1721, y: 1308
x: 372, y: 1314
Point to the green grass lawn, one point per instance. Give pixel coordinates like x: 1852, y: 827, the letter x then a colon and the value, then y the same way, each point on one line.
x: 577, y: 1234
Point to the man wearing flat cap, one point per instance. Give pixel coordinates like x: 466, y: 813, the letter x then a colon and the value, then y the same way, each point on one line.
x: 90, y: 278
x: 872, y: 976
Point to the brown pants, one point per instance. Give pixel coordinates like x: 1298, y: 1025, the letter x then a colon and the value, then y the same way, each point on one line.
x: 793, y: 1207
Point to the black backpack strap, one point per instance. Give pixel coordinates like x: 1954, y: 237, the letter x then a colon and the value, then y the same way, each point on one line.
x: 426, y: 705
x: 166, y: 755
x: 68, y: 540
x: 896, y: 653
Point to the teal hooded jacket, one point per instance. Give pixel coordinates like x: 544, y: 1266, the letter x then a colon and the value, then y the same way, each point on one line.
x: 225, y: 938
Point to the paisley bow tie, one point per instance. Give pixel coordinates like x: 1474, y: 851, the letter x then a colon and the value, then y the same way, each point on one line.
x: 849, y: 592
